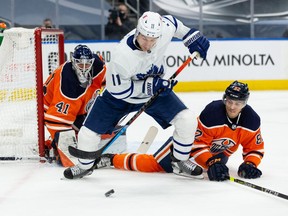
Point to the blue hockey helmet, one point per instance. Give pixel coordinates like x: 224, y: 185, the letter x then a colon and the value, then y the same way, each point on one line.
x: 82, y: 61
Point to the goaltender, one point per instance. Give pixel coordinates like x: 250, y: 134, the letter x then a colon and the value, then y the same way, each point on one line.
x: 68, y: 93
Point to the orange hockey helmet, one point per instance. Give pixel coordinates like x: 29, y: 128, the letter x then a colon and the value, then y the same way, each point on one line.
x: 3, y: 26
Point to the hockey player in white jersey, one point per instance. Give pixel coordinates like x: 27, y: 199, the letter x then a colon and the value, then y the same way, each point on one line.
x: 134, y: 74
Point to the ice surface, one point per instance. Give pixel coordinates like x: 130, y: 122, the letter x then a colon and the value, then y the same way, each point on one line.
x: 36, y: 189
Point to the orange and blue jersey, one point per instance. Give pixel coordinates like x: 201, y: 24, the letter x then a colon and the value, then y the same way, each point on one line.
x: 65, y: 99
x: 216, y: 133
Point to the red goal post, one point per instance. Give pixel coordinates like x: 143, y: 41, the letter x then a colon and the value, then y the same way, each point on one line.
x: 27, y: 57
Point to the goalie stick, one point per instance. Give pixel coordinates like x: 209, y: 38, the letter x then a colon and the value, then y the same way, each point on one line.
x: 266, y: 190
x: 148, y: 140
x: 95, y: 154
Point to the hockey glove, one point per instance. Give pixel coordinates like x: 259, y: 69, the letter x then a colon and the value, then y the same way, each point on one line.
x: 249, y: 171
x: 196, y: 42
x: 217, y: 170
x: 152, y: 84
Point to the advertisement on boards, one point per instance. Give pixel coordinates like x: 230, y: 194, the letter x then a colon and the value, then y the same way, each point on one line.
x: 226, y: 60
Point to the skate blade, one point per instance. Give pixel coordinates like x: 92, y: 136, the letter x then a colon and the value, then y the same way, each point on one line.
x: 189, y: 176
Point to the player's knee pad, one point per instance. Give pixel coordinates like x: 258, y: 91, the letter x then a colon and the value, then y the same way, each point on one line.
x: 185, y: 126
x: 183, y: 136
x: 88, y: 140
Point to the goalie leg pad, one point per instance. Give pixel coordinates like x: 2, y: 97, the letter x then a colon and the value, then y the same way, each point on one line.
x: 63, y: 139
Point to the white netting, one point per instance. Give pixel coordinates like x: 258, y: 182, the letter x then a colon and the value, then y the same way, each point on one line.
x: 18, y: 96
x: 50, y: 53
x: 18, y: 110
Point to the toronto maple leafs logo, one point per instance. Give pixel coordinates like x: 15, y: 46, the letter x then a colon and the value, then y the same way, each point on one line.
x: 221, y: 145
x: 152, y: 72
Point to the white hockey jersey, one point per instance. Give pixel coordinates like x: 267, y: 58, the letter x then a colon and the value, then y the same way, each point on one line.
x: 129, y: 66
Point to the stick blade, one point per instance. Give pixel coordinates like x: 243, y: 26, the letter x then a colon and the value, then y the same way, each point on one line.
x: 148, y: 140
x: 84, y: 154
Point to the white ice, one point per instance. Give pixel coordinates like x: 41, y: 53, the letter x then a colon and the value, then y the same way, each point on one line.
x: 37, y: 189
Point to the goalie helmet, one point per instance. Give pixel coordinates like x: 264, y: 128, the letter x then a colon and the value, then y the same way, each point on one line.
x: 237, y: 91
x: 149, y: 24
x: 82, y: 61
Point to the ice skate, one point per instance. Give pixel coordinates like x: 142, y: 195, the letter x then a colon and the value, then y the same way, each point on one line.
x: 76, y: 172
x: 186, y: 168
x: 106, y: 160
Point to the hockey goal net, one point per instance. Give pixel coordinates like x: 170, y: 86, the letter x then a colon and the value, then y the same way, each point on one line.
x: 27, y: 57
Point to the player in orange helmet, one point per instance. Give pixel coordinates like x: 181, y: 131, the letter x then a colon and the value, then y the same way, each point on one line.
x: 3, y: 26
x: 222, y: 126
x: 68, y: 93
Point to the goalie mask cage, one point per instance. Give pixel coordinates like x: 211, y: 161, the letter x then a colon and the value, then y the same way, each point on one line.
x: 22, y: 71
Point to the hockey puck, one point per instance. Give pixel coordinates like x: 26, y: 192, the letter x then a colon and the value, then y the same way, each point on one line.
x: 109, y: 193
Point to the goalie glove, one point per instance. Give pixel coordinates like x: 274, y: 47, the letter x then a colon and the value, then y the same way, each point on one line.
x: 249, y: 171
x: 196, y: 42
x: 152, y: 84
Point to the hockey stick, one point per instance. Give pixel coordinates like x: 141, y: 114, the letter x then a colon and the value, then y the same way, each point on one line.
x: 145, y: 144
x: 266, y: 190
x: 148, y: 140
x: 95, y: 154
